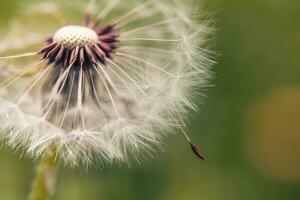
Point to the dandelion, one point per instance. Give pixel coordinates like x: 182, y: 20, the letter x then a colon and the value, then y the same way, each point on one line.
x: 105, y: 89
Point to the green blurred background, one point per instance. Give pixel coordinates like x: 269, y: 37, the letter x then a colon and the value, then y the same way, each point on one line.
x: 249, y: 126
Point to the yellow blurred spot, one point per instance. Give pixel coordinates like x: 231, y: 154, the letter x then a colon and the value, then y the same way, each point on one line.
x: 272, y: 141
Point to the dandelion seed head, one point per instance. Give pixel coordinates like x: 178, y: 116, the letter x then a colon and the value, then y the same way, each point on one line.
x: 109, y: 89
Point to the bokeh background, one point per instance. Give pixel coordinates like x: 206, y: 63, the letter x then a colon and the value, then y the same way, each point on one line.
x: 249, y: 126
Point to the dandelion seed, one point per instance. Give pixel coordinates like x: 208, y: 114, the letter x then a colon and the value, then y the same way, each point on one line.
x: 107, y: 88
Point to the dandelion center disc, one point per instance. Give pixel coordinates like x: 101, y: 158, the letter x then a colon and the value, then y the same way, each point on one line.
x: 72, y: 36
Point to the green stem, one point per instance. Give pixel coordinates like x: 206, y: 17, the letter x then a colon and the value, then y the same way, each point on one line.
x: 43, y: 186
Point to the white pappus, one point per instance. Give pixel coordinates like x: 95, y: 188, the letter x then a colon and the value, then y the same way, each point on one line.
x: 104, y: 89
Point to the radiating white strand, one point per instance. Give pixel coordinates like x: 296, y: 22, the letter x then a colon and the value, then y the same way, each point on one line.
x: 80, y: 96
x: 90, y: 6
x: 113, y: 85
x: 27, y: 69
x: 151, y: 39
x: 124, y: 83
x: 68, y: 101
x: 108, y: 92
x: 158, y: 57
x: 58, y: 87
x: 128, y: 76
x: 107, y: 78
x: 136, y: 68
x: 19, y: 56
x: 33, y: 84
x: 56, y: 91
x: 137, y: 17
x: 7, y: 44
x: 110, y: 5
x: 35, y: 78
x: 179, y: 126
x: 146, y: 49
x: 146, y: 62
x: 97, y: 99
x: 149, y: 26
x: 133, y: 11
